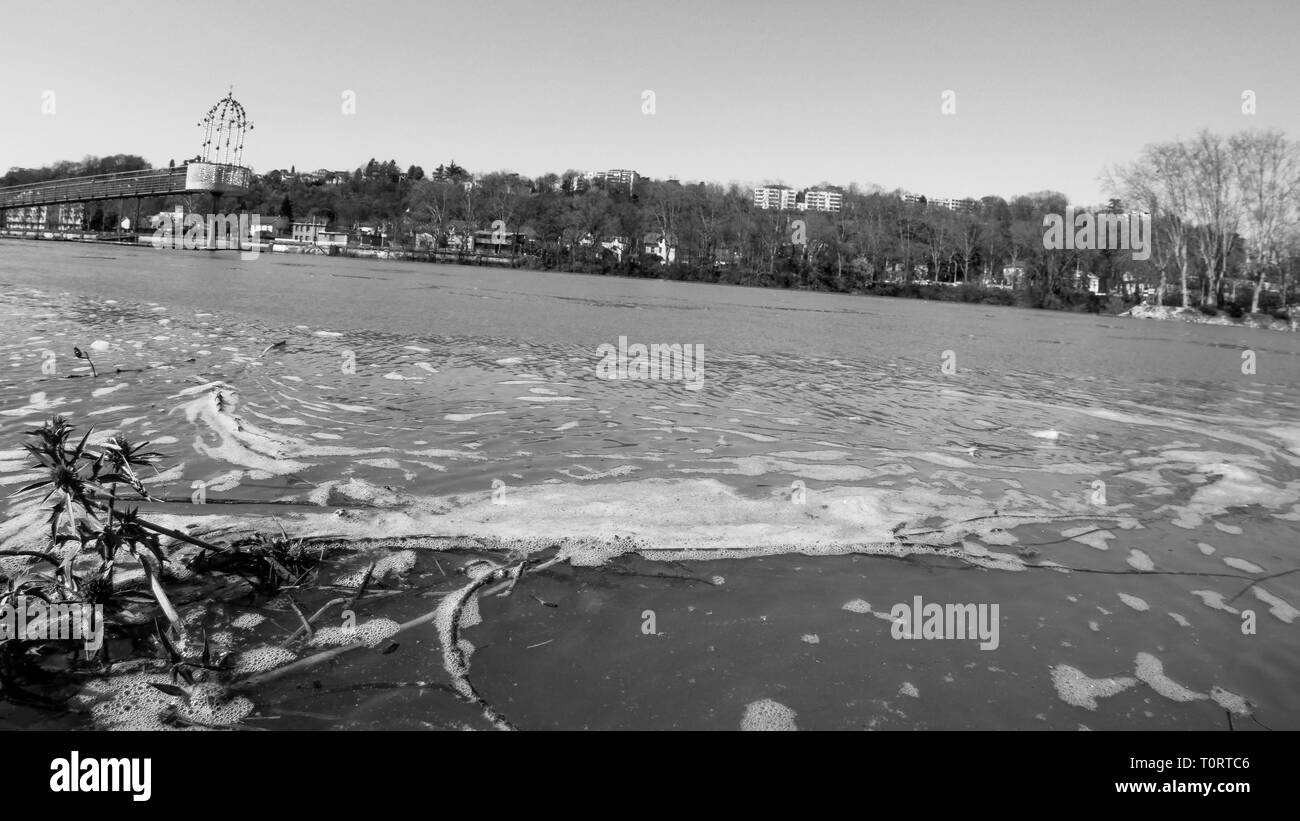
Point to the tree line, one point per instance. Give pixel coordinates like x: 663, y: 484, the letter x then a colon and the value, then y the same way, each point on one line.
x: 1225, y: 214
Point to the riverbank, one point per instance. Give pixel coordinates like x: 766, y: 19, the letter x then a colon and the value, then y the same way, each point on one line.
x: 963, y: 292
x: 1195, y: 315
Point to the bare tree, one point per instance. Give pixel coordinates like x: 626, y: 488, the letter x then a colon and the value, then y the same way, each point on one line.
x: 1268, y: 171
x: 1215, y: 206
x: 1159, y: 183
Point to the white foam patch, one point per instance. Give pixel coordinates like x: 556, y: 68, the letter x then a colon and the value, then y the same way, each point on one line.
x: 261, y: 659
x: 909, y: 689
x: 247, y: 621
x: 1215, y: 601
x: 131, y: 702
x: 98, y: 392
x: 38, y: 401
x: 1077, y: 689
x: 768, y: 715
x: 857, y: 606
x: 693, y: 515
x: 238, y: 442
x: 465, y: 417
x: 396, y: 564
x: 1134, y: 602
x: 1151, y: 672
x: 1089, y: 535
x: 371, y: 633
x: 1280, y: 608
x: 1182, y: 622
x: 589, y: 474
x: 1242, y: 565
x: 810, y: 638
x: 1230, y: 701
x: 1139, y: 560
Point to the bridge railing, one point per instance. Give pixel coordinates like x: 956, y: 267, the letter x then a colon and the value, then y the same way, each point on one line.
x: 145, y: 183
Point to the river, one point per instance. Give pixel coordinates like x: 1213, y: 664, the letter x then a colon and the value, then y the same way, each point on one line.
x: 1114, y: 486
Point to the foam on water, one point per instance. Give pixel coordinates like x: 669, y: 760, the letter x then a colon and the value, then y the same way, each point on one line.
x: 1074, y: 687
x: 1233, y: 703
x: 1242, y: 564
x: 1151, y: 672
x: 261, y: 659
x: 1281, y: 609
x: 132, y: 702
x: 1134, y: 602
x: 768, y: 715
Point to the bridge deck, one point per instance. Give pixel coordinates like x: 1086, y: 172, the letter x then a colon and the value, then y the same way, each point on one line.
x: 127, y: 184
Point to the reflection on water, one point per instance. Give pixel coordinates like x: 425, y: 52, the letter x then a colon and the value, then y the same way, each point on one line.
x: 823, y: 423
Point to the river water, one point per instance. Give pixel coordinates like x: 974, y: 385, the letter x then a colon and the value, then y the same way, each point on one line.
x: 1114, y: 486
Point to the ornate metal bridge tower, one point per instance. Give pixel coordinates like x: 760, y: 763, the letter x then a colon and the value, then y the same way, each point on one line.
x: 220, y: 166
x: 217, y: 170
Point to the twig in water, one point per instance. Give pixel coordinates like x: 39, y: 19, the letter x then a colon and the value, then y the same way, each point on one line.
x: 306, y: 625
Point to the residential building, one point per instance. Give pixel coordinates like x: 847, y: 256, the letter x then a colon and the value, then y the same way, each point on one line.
x: 614, y: 178
x: 776, y: 196
x: 659, y: 244
x: 965, y: 206
x: 822, y: 200
x: 67, y: 217
x: 307, y: 230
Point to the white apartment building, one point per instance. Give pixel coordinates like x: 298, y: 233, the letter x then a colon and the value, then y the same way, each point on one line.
x: 815, y: 200
x: 775, y: 196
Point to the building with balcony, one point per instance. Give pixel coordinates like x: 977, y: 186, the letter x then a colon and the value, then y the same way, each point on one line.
x: 777, y: 197
x: 822, y: 200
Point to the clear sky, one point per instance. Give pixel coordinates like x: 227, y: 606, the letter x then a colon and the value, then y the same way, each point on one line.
x: 1047, y: 93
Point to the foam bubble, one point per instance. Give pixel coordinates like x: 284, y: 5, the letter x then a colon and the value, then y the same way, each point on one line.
x: 1229, y: 701
x: 261, y: 659
x: 131, y: 702
x: 247, y: 621
x: 1280, y: 608
x: 1139, y: 560
x: 1133, y: 601
x: 767, y: 714
x: 1077, y: 689
x: 1151, y: 672
x: 1215, y: 601
x: 371, y: 633
x: 1242, y: 565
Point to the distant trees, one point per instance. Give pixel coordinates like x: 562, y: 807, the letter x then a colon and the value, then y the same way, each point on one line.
x: 1224, y: 214
x: 88, y: 166
x: 1218, y: 205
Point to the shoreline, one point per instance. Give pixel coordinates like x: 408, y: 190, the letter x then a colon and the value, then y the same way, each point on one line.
x: 1261, y: 321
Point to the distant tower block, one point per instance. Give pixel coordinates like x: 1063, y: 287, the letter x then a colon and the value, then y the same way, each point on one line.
x: 220, y: 168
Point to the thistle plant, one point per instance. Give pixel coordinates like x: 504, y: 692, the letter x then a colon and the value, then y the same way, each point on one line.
x: 88, y: 512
